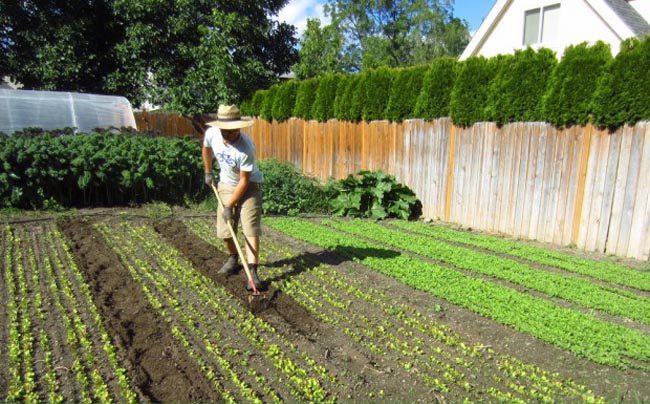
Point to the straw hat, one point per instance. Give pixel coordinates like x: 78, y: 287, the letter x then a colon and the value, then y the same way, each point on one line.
x: 229, y: 117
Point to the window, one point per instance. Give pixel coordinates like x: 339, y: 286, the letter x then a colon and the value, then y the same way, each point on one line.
x: 541, y: 24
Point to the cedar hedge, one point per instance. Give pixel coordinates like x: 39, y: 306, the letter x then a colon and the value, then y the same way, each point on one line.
x: 284, y: 101
x: 516, y: 91
x: 376, y: 87
x: 435, y: 94
x: 266, y: 110
x: 623, y: 93
x: 573, y: 82
x: 305, y: 98
x: 404, y: 93
x: 586, y: 85
x: 323, y: 107
x: 470, y: 92
x: 341, y: 104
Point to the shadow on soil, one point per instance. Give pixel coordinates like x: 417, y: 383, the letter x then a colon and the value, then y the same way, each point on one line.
x: 333, y: 257
x: 272, y: 302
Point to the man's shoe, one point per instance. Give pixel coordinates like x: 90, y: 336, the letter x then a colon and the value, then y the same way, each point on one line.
x: 230, y: 267
x: 256, y: 280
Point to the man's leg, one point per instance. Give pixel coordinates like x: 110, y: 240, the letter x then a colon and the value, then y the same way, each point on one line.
x: 252, y: 249
x: 231, y: 265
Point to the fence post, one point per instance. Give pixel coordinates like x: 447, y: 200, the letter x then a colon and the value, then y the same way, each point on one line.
x: 450, y: 172
x: 582, y: 175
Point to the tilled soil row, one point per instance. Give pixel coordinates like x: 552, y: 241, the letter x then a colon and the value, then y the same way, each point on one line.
x: 155, y: 362
x: 360, y: 374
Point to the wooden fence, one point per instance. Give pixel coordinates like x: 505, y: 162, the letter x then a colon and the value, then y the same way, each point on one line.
x: 164, y: 123
x: 579, y: 186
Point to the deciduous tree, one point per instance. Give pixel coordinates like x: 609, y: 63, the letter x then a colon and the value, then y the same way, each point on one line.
x: 321, y: 51
x: 396, y: 33
x: 183, y: 55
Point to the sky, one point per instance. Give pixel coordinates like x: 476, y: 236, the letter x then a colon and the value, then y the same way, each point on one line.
x: 297, y: 12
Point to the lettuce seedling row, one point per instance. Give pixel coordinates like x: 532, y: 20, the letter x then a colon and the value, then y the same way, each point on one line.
x: 122, y: 307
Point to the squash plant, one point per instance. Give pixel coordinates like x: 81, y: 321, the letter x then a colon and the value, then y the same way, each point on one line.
x: 375, y: 195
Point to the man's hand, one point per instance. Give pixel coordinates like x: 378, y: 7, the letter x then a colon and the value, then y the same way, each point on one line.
x: 209, y: 179
x: 227, y: 214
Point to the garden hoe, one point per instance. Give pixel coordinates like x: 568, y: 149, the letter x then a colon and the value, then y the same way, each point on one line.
x: 239, y: 251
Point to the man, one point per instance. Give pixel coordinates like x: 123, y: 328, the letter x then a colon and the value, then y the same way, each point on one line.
x: 239, y: 186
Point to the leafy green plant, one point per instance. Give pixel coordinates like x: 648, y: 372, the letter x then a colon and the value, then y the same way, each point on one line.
x: 287, y: 191
x: 571, y: 329
x: 376, y: 195
x: 98, y: 168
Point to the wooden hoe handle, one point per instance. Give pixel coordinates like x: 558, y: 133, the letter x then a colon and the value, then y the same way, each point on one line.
x: 239, y: 251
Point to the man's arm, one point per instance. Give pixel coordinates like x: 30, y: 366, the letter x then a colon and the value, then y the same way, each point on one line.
x: 207, y: 159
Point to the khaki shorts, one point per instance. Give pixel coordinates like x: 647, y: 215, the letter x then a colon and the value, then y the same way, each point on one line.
x: 248, y: 211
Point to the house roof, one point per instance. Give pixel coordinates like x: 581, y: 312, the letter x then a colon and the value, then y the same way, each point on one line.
x: 628, y: 18
x: 635, y: 22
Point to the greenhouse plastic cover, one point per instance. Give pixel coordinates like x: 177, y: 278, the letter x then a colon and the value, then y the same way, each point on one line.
x: 49, y: 110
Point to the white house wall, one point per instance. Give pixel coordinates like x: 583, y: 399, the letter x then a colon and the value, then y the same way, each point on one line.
x: 579, y: 22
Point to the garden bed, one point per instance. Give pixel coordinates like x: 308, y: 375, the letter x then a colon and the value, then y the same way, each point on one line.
x: 122, y: 307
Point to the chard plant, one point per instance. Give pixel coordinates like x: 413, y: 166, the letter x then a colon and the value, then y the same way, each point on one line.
x: 375, y: 195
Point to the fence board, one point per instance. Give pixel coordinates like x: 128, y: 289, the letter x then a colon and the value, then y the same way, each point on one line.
x: 490, y: 155
x: 475, y: 177
x: 484, y: 172
x: 637, y: 233
x: 553, y: 187
x: 618, y: 196
x: 516, y: 195
x: 589, y: 188
x: 609, y: 185
x: 630, y: 192
x: 473, y: 180
x: 514, y: 144
x: 529, y: 195
x: 459, y: 175
x: 457, y: 184
x: 165, y: 124
x: 541, y: 182
x: 598, y: 172
x: 643, y: 244
x: 556, y: 215
x: 537, y: 182
x: 451, y: 162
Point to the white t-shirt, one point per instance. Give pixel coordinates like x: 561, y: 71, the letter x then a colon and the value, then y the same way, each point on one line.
x: 233, y: 158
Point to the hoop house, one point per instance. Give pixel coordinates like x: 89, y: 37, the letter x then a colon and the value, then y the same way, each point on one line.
x: 50, y: 110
